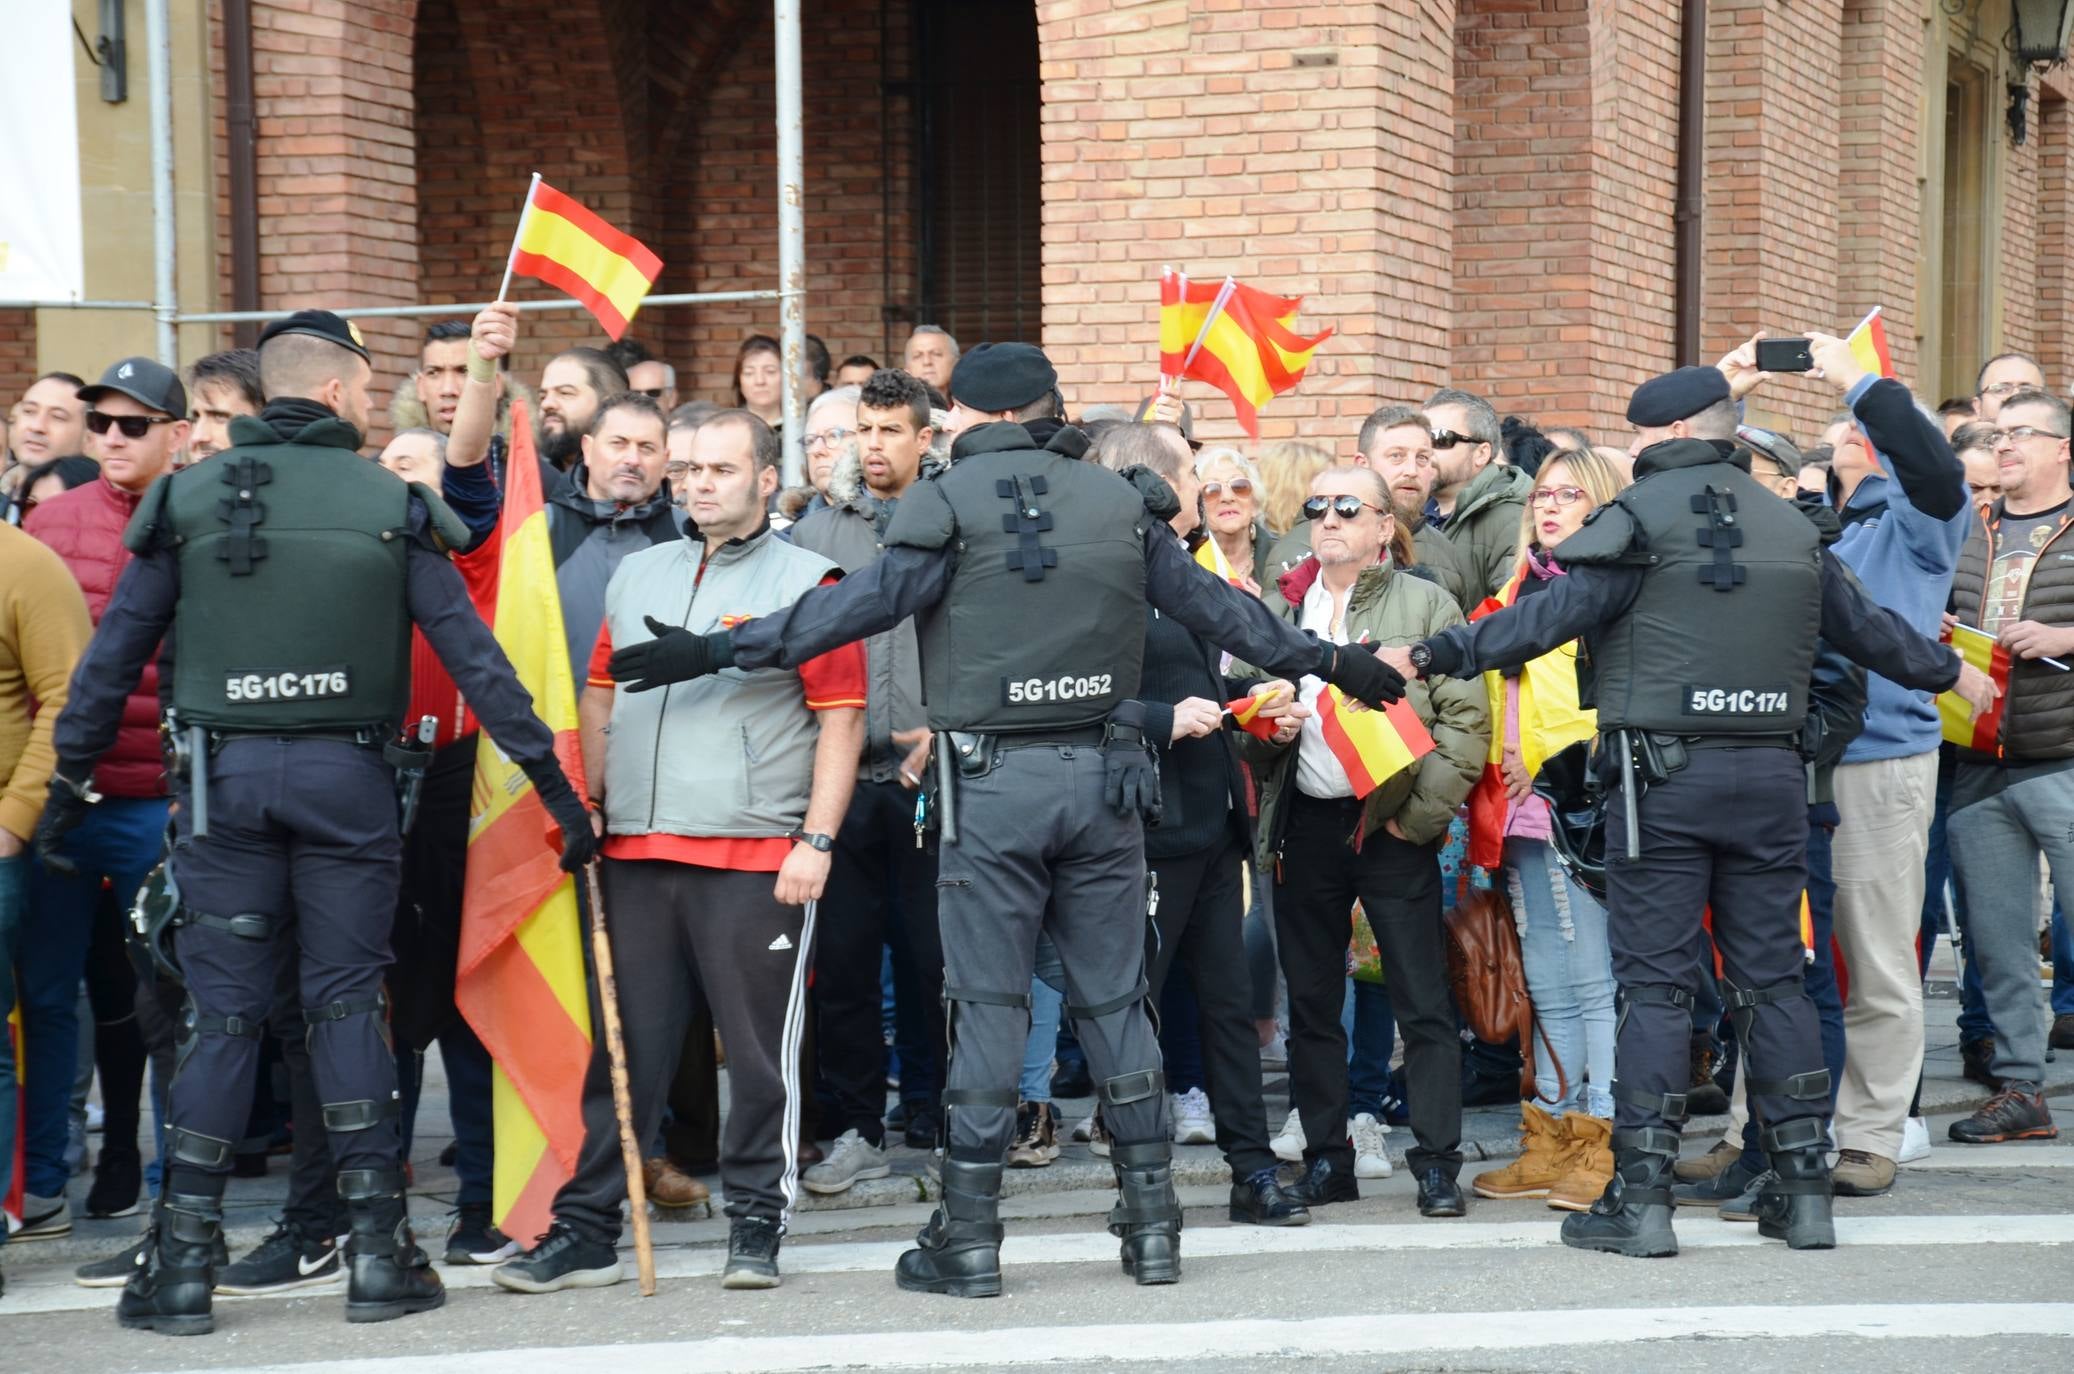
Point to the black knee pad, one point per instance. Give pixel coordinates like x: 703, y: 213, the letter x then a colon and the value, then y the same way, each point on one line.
x: 1127, y: 1088
x: 204, y: 1152
x: 343, y: 1009
x: 1656, y: 995
x: 341, y: 1118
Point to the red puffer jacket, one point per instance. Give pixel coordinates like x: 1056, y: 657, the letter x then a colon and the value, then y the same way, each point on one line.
x: 84, y: 527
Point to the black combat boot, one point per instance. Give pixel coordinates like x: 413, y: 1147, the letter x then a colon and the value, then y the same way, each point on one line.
x: 1794, y: 1205
x: 387, y: 1275
x: 1147, y: 1215
x: 959, y: 1251
x: 1633, y: 1216
x: 169, y: 1291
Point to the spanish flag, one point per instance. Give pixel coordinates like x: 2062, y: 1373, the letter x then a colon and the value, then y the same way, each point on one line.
x: 1245, y: 713
x: 520, y: 980
x: 1869, y: 345
x: 1373, y: 746
x: 1961, y: 727
x: 566, y: 246
x: 1237, y: 338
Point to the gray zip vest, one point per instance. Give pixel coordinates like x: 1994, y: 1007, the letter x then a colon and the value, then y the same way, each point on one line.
x: 731, y: 755
x: 1040, y: 626
x: 1720, y: 639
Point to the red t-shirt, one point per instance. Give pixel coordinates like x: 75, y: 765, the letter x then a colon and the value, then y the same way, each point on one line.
x: 834, y: 681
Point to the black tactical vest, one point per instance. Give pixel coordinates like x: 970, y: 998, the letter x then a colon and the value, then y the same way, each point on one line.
x: 1043, y: 623
x: 1721, y: 637
x: 291, y: 617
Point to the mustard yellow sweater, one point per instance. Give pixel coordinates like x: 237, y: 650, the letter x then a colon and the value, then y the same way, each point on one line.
x: 43, y: 630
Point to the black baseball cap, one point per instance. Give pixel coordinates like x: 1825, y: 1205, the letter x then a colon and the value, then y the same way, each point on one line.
x: 143, y: 381
x: 319, y: 324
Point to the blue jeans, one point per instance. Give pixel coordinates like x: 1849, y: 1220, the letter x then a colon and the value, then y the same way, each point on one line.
x: 14, y: 883
x: 120, y: 841
x: 1180, y: 1042
x: 1047, y: 1009
x: 1371, y: 1028
x: 2062, y: 962
x: 469, y: 1104
x: 1569, y: 967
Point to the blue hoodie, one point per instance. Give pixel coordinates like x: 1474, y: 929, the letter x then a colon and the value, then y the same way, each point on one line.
x: 1903, y: 529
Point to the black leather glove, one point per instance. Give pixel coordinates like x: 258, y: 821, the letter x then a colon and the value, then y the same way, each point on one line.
x: 1161, y: 501
x: 1130, y: 769
x: 579, y: 841
x: 674, y: 655
x: 1355, y: 670
x: 64, y: 807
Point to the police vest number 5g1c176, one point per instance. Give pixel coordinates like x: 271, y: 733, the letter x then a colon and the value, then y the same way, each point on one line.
x: 1067, y: 688
x: 285, y: 686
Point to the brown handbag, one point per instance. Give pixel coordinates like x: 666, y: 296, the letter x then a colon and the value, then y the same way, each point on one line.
x: 1489, y: 978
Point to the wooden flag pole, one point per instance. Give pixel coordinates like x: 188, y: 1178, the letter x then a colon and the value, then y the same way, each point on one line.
x: 622, y: 1095
x: 510, y: 259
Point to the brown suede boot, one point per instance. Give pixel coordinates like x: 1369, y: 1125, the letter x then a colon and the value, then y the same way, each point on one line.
x: 1591, y: 1164
x: 1544, y: 1158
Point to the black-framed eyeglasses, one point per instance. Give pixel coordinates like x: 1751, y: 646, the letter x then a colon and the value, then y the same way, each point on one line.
x: 828, y: 436
x: 2015, y: 434
x: 1447, y: 438
x: 132, y: 426
x: 1238, y: 486
x: 1345, y: 507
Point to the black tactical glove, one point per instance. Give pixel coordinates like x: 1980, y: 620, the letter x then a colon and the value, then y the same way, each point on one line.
x: 1130, y: 770
x: 674, y: 655
x: 579, y: 841
x: 1161, y: 502
x: 1355, y: 670
x: 64, y: 808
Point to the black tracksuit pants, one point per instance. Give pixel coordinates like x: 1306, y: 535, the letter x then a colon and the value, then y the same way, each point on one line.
x: 1398, y: 885
x: 1200, y: 923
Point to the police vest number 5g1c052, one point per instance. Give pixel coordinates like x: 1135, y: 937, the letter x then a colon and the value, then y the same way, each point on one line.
x: 286, y: 685
x: 1064, y: 688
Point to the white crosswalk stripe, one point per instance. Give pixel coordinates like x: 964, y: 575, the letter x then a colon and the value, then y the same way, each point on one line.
x: 1394, y: 1334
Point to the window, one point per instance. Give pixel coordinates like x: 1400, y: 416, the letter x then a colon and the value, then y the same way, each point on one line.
x: 1963, y: 300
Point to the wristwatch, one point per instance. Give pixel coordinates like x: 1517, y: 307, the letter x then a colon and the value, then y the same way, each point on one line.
x: 1421, y: 658
x: 824, y: 843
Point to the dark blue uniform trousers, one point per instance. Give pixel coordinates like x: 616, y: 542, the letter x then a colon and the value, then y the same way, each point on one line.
x: 304, y: 834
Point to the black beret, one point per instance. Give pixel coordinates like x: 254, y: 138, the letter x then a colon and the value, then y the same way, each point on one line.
x: 1677, y: 396
x: 319, y: 324
x: 998, y: 377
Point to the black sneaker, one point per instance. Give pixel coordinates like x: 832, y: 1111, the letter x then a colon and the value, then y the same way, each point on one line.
x: 752, y: 1254
x: 115, y: 1271
x: 285, y: 1260
x: 560, y: 1259
x: 924, y: 1123
x: 475, y: 1240
x: 118, y: 1179
x: 2018, y: 1112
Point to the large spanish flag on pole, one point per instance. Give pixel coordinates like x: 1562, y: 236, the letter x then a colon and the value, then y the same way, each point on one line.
x: 1237, y: 338
x: 563, y: 244
x: 1961, y: 726
x: 520, y: 980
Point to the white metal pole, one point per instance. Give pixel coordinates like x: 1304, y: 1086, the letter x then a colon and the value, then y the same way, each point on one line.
x: 165, y: 292
x: 792, y: 239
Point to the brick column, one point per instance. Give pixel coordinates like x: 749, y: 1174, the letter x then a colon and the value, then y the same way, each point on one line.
x: 1879, y: 230
x: 337, y: 163
x: 2055, y: 298
x: 17, y: 354
x: 1305, y: 150
x: 1771, y: 178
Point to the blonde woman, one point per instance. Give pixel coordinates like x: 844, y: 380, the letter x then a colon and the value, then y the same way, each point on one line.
x: 1565, y: 1153
x: 1286, y: 470
x: 1236, y: 539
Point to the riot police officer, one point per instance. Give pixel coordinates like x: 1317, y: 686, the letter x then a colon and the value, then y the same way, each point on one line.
x: 1028, y: 573
x: 286, y: 571
x: 1699, y: 597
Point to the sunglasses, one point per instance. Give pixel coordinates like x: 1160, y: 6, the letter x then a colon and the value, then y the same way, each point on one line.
x: 132, y: 426
x: 1345, y: 507
x: 653, y: 393
x: 1447, y: 438
x: 1237, y: 486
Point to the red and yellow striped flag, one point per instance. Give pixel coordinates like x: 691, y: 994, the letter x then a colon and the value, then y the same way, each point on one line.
x: 1869, y: 345
x: 1961, y: 726
x: 1245, y: 713
x: 520, y: 979
x: 566, y: 246
x: 1249, y: 351
x: 1373, y: 746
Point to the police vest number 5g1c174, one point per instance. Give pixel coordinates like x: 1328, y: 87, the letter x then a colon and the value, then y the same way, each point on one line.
x: 1729, y: 701
x: 1067, y: 688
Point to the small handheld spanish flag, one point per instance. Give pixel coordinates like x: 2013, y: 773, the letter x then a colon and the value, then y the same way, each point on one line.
x: 566, y: 246
x: 1245, y: 713
x: 1980, y: 733
x: 1373, y: 746
x: 1869, y: 345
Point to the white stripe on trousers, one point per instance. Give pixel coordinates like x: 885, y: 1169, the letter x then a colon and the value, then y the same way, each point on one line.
x: 789, y: 1044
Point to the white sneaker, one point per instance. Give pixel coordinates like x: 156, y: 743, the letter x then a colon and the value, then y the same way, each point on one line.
x: 1289, y: 1142
x: 1371, y: 1154
x: 1915, y: 1141
x: 851, y: 1158
x: 1084, y: 1129
x: 1192, y: 1123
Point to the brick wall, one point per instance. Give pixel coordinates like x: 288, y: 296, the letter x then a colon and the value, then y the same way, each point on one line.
x: 2053, y: 303
x: 1307, y: 148
x: 2018, y: 258
x: 1879, y: 238
x: 17, y: 355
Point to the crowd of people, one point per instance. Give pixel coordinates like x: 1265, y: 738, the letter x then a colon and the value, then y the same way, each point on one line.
x: 1293, y: 918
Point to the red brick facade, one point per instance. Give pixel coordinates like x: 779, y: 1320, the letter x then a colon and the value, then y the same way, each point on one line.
x: 1473, y: 191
